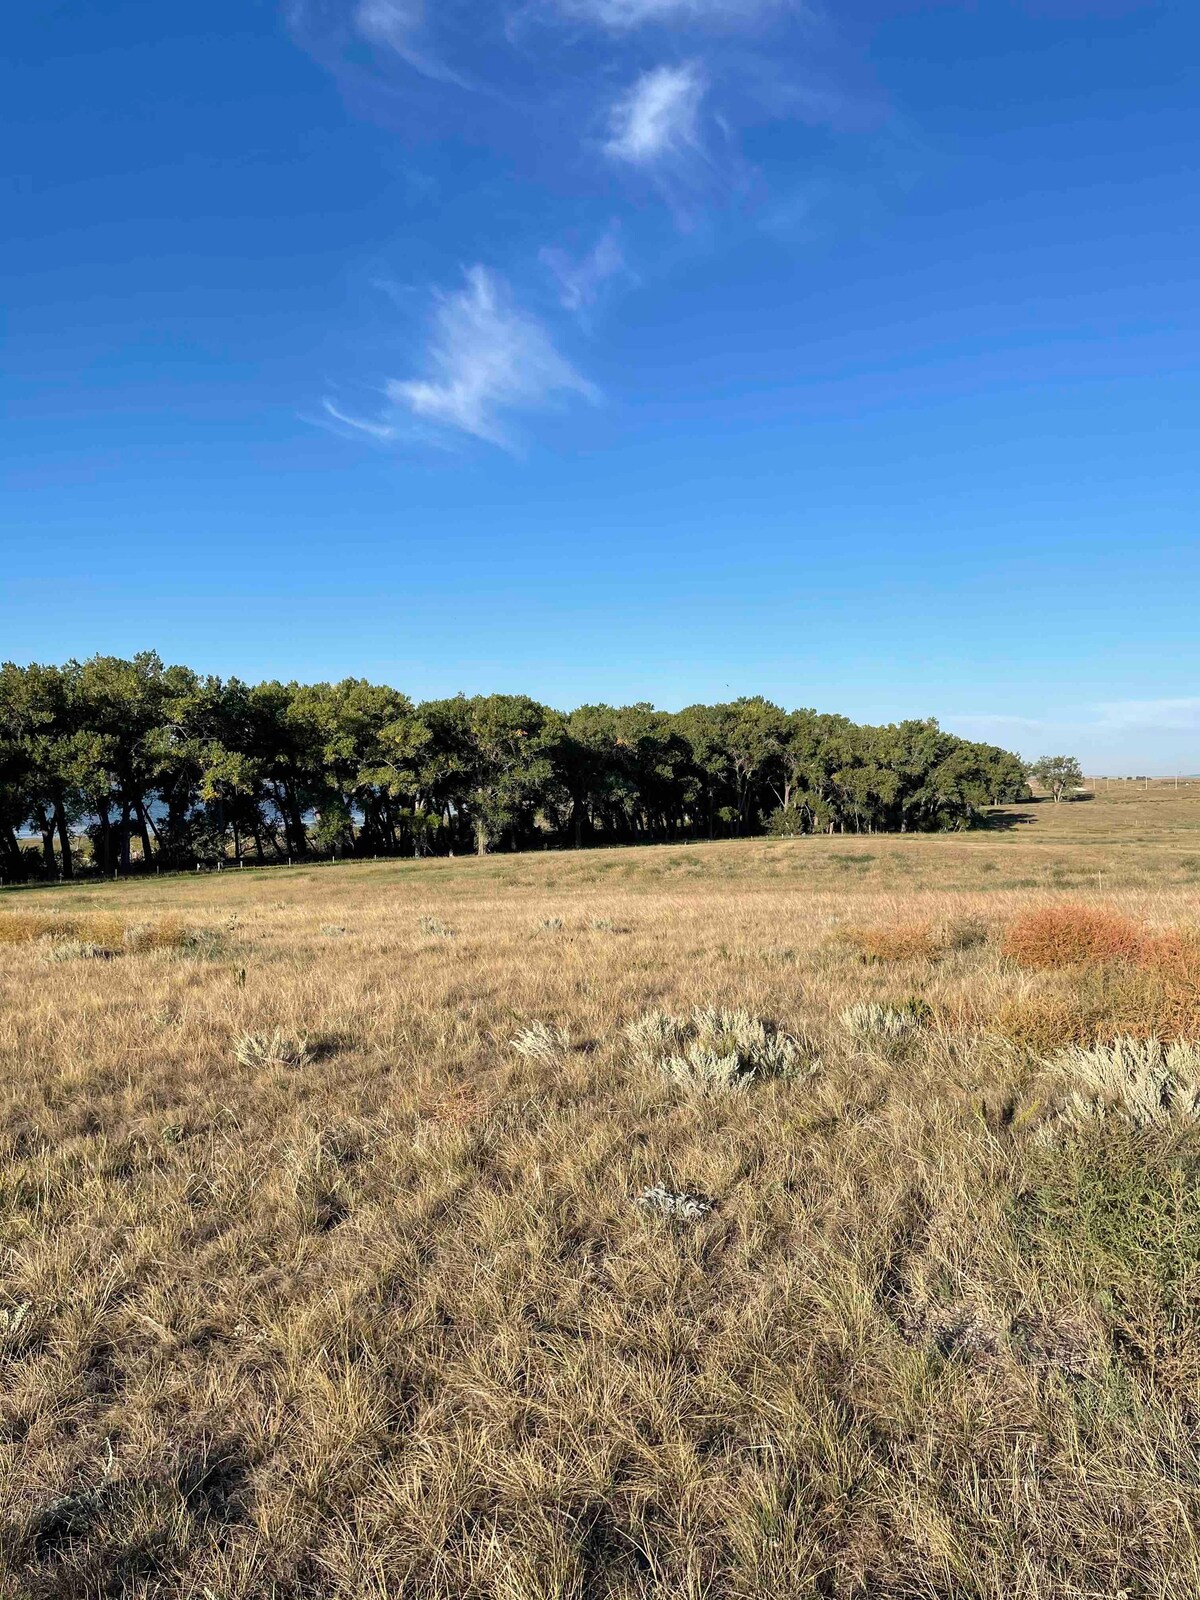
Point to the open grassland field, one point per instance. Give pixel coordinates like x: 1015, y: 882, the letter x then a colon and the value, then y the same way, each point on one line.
x: 312, y: 1283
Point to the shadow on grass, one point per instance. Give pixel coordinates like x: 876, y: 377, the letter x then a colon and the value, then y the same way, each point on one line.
x: 1005, y: 821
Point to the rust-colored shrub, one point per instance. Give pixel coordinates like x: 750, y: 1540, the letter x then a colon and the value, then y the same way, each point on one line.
x: 1130, y: 982
x: 917, y: 940
x: 1175, y: 957
x: 1072, y: 935
x: 1170, y: 963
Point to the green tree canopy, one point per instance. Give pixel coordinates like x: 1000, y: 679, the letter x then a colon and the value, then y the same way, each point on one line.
x: 192, y: 769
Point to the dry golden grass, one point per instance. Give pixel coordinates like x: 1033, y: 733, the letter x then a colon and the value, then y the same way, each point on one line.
x: 916, y: 940
x: 383, y: 1316
x: 897, y: 941
x: 106, y: 931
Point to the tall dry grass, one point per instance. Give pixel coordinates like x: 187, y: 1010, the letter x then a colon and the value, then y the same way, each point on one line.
x: 387, y: 1315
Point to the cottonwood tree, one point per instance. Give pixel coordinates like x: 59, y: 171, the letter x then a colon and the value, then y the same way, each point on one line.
x: 126, y: 707
x: 1059, y: 774
x: 492, y: 763
x: 195, y: 766
x: 588, y: 759
x: 42, y: 727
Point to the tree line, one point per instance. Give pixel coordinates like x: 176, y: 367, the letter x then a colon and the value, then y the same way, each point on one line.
x: 112, y: 763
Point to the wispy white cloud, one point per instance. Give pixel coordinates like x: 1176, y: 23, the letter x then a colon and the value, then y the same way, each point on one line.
x: 990, y: 725
x: 391, y: 22
x: 580, y: 278
x: 1175, y: 714
x: 624, y: 14
x: 400, y: 26
x: 487, y: 358
x: 1182, y: 715
x: 1113, y: 736
x: 658, y: 118
x: 672, y: 130
x: 385, y: 432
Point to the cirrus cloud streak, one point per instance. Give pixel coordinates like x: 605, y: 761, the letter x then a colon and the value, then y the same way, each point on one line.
x: 658, y: 118
x: 487, y: 360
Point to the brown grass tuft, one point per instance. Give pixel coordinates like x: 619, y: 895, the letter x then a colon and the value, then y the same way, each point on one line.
x: 170, y: 933
x: 916, y: 940
x: 1044, y: 1023
x: 898, y: 941
x: 1098, y: 1004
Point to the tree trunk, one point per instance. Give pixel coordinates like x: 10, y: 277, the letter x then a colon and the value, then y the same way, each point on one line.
x: 296, y: 830
x: 14, y: 865
x: 126, y: 816
x: 64, y: 838
x: 144, y: 831
x: 46, y: 828
x: 105, y: 840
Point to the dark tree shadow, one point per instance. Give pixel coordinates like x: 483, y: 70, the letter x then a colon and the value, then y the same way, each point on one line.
x: 1006, y: 821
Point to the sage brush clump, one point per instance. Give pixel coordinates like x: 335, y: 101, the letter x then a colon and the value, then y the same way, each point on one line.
x: 77, y: 950
x: 538, y: 1042
x: 715, y: 1048
x: 869, y: 1022
x: 13, y: 1319
x: 1143, y: 1081
x: 274, y: 1049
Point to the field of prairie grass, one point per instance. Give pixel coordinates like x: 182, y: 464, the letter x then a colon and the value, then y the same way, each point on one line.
x: 312, y: 1283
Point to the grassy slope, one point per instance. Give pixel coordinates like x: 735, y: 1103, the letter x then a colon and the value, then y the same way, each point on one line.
x: 388, y: 1322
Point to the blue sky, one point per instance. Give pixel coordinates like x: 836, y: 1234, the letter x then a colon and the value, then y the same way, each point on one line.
x: 617, y: 349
